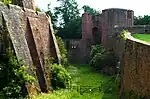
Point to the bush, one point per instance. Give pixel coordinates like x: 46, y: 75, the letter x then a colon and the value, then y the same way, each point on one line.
x: 63, y: 51
x: 13, y: 76
x: 102, y: 58
x: 60, y: 77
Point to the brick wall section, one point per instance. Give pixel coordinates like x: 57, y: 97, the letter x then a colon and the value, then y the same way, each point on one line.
x: 136, y: 66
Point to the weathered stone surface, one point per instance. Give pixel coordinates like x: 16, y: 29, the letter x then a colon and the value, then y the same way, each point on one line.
x: 112, y: 18
x: 136, y: 66
x: 30, y: 4
x: 54, y: 49
x: 17, y: 34
x: 32, y: 37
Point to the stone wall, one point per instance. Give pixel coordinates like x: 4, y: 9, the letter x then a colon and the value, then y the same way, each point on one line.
x: 119, y: 44
x: 136, y: 67
x: 140, y: 29
x: 111, y: 18
x: 32, y: 39
x: 30, y: 4
x: 100, y: 29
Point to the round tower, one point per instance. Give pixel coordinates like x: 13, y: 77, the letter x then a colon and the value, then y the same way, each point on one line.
x: 111, y: 18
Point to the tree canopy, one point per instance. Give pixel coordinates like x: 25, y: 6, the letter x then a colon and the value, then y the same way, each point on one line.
x: 68, y: 17
x: 145, y: 20
x: 90, y: 10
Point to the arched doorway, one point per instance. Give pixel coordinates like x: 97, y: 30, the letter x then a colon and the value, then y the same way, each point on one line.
x: 96, y: 35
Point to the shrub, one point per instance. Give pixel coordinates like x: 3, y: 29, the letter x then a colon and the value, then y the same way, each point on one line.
x: 102, y: 58
x: 13, y: 76
x: 63, y: 51
x: 60, y: 77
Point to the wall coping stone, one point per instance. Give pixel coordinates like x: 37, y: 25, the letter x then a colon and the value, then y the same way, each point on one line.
x: 128, y: 36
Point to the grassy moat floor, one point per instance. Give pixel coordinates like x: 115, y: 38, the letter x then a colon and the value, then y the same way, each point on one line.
x: 144, y: 37
x: 92, y: 86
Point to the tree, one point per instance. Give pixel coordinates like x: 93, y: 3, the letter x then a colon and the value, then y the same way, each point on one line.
x: 67, y: 10
x: 69, y: 19
x: 54, y: 18
x: 71, y: 30
x: 88, y: 9
x: 142, y: 20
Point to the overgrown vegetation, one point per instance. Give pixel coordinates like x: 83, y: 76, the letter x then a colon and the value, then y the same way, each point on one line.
x: 63, y: 51
x: 92, y: 11
x: 13, y: 76
x: 85, y: 85
x: 60, y: 77
x: 103, y: 60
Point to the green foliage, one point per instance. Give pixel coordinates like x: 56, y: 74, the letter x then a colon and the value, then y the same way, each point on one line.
x: 54, y: 18
x: 13, y: 76
x: 72, y: 29
x: 142, y: 20
x: 123, y: 34
x: 101, y: 58
x: 66, y: 19
x: 63, y: 51
x: 6, y: 1
x: 38, y: 9
x: 82, y: 75
x: 97, y: 49
x: 67, y: 10
x: 88, y: 9
x: 60, y: 77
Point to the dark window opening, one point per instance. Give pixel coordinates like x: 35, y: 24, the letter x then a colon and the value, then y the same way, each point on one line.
x: 96, y: 35
x: 146, y: 31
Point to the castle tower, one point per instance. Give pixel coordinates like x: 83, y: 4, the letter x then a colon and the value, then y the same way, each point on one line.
x: 87, y: 27
x: 87, y: 38
x: 114, y: 18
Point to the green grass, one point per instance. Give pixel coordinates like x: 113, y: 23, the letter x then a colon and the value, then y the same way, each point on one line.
x: 144, y: 37
x: 83, y: 76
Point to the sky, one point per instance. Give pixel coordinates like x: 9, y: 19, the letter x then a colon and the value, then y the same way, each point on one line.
x: 140, y: 7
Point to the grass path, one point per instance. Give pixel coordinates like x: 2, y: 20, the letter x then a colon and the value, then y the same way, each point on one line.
x: 83, y: 76
x: 144, y: 37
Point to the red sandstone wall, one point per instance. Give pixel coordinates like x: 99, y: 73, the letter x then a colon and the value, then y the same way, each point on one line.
x: 87, y: 37
x: 112, y: 18
x: 136, y: 67
x: 87, y: 26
